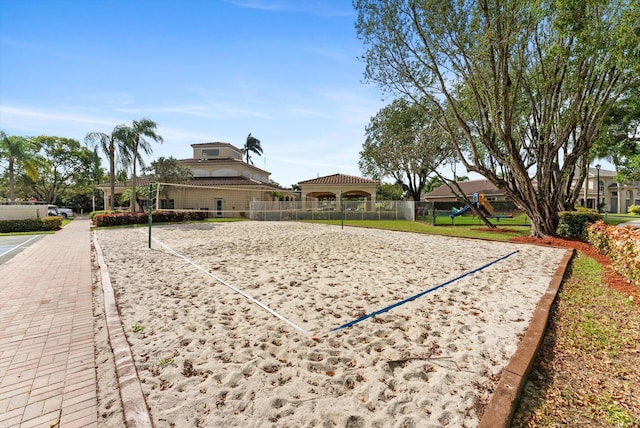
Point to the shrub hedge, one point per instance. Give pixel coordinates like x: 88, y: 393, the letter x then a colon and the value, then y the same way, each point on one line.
x: 573, y: 224
x: 31, y: 225
x: 634, y: 209
x: 125, y: 218
x: 622, y: 244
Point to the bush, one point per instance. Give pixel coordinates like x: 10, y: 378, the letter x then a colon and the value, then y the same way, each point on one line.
x: 30, y: 225
x: 622, y: 244
x: 92, y: 214
x: 634, y: 209
x: 573, y: 224
x: 598, y: 237
x: 125, y: 218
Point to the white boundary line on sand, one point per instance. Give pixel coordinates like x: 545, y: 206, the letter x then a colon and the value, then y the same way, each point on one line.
x: 237, y: 290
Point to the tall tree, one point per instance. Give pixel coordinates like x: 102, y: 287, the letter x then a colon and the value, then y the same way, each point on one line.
x: 619, y: 139
x: 135, y: 137
x: 83, y: 195
x: 64, y: 164
x: 18, y: 151
x: 527, y: 84
x: 404, y: 143
x: 165, y: 170
x: 169, y: 170
x: 113, y: 148
x: 389, y: 192
x: 252, y: 145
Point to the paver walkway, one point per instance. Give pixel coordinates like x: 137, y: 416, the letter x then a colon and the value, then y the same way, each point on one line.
x: 47, y: 365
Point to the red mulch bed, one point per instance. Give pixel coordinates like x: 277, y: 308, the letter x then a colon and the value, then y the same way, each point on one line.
x: 614, y: 280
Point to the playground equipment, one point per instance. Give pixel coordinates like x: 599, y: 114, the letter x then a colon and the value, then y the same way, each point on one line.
x: 479, y: 202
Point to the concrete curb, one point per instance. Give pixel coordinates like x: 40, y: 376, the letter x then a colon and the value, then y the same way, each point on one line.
x: 136, y: 411
x: 502, y: 405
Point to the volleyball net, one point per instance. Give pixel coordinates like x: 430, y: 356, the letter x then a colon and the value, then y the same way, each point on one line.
x: 210, y: 201
x: 258, y: 202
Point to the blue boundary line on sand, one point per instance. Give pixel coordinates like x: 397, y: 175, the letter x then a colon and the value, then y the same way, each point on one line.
x: 414, y: 297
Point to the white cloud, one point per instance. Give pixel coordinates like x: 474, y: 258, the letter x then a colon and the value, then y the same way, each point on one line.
x: 30, y: 116
x: 325, y: 8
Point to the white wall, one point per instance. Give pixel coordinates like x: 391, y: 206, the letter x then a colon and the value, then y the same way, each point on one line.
x: 22, y: 212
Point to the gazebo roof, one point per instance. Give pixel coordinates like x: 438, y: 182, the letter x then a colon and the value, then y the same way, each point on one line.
x: 339, y: 179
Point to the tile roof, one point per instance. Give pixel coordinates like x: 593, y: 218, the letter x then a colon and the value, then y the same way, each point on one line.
x: 339, y: 179
x: 225, y: 181
x: 193, y: 162
x: 196, y: 181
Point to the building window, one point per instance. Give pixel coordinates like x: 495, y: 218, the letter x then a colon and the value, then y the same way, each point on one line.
x: 236, y: 155
x: 210, y: 153
x: 601, y: 186
x: 167, y: 204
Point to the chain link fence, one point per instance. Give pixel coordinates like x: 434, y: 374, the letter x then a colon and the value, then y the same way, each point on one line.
x: 332, y: 210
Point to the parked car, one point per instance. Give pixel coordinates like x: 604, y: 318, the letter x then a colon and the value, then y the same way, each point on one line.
x: 65, y: 212
x: 60, y: 212
x: 53, y: 210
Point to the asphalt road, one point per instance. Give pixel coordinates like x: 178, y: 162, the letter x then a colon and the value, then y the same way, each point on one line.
x: 12, y: 245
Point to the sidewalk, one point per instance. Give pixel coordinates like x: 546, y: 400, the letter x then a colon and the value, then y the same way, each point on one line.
x: 47, y: 366
x: 632, y: 223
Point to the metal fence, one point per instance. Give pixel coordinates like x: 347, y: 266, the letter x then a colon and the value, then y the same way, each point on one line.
x: 332, y: 210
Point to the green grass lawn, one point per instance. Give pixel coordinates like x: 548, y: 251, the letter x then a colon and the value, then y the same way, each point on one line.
x: 442, y: 219
x: 462, y: 226
x: 616, y: 219
x: 586, y: 372
x: 469, y: 231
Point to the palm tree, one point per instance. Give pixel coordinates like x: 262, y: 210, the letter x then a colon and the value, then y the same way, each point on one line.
x: 132, y: 197
x: 19, y: 152
x: 134, y: 138
x: 252, y: 145
x: 111, y: 146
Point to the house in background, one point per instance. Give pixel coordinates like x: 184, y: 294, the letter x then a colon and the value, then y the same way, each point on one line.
x: 608, y: 192
x: 222, y: 183
x: 469, y: 188
x: 614, y: 197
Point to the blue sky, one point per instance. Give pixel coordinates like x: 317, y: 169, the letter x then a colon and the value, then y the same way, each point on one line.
x: 286, y: 71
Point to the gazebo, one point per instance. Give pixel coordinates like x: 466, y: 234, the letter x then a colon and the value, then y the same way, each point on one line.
x: 337, y: 187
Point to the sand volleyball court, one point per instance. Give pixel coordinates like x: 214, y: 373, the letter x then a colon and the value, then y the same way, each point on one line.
x: 208, y: 356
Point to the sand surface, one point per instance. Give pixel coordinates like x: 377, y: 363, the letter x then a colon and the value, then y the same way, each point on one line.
x: 208, y: 356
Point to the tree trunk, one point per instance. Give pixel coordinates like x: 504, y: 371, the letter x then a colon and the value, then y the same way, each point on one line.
x: 112, y: 176
x: 133, y: 207
x: 133, y: 177
x: 544, y: 221
x: 12, y: 184
x: 586, y: 182
x: 459, y: 193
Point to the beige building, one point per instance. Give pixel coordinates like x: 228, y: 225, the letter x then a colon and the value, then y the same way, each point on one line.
x: 614, y: 197
x: 222, y: 183
x: 336, y: 187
